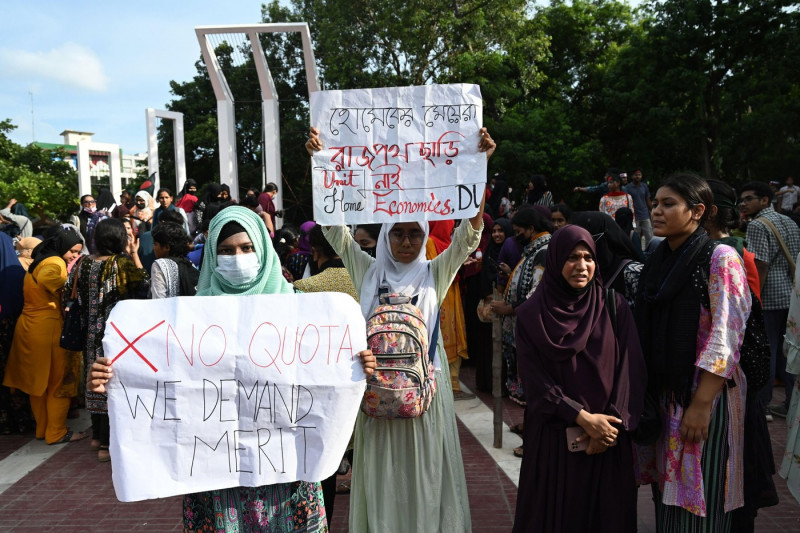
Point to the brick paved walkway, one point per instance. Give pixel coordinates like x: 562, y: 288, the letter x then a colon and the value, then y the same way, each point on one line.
x: 72, y: 492
x: 783, y: 517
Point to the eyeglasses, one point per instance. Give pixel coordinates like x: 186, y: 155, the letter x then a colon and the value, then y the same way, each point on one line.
x: 414, y: 237
x: 745, y: 199
x: 89, y: 202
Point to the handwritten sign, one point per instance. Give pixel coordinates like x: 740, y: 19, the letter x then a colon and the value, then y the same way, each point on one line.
x: 398, y: 154
x: 225, y: 391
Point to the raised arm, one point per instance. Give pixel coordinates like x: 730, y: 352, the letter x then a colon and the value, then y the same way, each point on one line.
x: 487, y: 145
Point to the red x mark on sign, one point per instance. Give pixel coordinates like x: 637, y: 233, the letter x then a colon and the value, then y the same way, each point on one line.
x: 131, y: 344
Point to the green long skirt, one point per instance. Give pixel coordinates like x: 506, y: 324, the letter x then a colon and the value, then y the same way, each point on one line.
x: 408, y: 474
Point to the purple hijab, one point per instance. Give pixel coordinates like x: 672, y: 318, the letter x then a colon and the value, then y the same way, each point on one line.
x: 562, y: 318
x: 305, y: 243
x: 569, y: 355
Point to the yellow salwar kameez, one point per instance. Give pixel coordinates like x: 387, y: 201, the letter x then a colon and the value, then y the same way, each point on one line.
x: 37, y: 365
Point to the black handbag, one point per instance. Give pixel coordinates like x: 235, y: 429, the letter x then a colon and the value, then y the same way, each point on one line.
x: 73, y: 333
x: 650, y: 426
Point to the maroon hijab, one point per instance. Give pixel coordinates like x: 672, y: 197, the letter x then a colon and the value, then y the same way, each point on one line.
x: 562, y: 320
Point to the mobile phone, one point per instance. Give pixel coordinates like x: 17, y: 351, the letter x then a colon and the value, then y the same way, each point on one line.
x: 572, y: 434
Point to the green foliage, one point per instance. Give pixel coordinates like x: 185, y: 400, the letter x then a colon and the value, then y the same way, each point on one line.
x: 708, y: 86
x: 40, y: 179
x: 570, y: 88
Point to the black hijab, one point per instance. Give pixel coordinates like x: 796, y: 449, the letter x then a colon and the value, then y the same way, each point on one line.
x: 59, y: 243
x: 489, y: 269
x: 211, y: 193
x: 499, y: 192
x: 493, y: 249
x: 105, y: 200
x: 185, y: 190
x: 539, y: 188
x: 668, y: 315
x: 613, y: 246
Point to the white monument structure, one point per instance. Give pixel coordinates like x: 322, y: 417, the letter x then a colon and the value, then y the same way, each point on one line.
x: 152, y: 146
x: 226, y: 120
x: 84, y: 161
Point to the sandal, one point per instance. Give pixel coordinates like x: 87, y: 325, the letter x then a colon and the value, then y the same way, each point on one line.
x: 103, y: 455
x: 70, y: 437
x: 517, y: 428
x: 94, y: 445
x: 343, y: 487
x: 518, y: 452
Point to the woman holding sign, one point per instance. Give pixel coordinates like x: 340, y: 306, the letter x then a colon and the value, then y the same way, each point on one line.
x: 408, y: 474
x: 244, y: 263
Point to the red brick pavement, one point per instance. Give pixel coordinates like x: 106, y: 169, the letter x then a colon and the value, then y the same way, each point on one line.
x: 783, y: 517
x: 72, y: 492
x: 492, y: 495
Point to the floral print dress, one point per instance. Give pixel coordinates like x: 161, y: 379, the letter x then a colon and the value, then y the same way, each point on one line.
x: 674, y: 463
x: 280, y: 508
x: 101, y: 284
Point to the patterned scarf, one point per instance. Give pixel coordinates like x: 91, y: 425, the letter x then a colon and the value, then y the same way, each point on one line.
x: 522, y: 277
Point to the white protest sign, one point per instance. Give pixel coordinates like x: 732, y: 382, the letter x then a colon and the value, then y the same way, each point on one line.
x: 213, y: 392
x: 398, y: 154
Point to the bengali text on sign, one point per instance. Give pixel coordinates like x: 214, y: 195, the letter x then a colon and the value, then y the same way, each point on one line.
x: 398, y: 154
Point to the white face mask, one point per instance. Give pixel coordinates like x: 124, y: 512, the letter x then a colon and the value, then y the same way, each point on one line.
x: 238, y: 269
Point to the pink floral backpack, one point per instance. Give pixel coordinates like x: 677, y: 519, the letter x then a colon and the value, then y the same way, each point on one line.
x: 403, y: 384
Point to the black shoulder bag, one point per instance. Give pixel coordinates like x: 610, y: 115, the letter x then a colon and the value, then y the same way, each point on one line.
x: 73, y: 333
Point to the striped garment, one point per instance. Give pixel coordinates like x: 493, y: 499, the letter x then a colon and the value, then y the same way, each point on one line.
x: 716, y: 453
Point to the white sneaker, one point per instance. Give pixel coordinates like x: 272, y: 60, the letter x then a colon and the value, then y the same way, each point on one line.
x: 769, y: 417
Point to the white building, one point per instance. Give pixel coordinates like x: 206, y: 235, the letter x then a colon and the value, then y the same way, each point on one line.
x: 99, y: 170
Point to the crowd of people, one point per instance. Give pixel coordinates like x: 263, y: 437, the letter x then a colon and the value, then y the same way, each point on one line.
x: 642, y: 339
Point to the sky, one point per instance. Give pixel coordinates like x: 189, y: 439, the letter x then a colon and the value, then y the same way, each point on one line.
x: 96, y: 66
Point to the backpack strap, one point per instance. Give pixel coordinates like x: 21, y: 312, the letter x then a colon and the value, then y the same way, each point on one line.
x: 619, y: 269
x: 781, y: 243
x: 434, y: 338
x: 382, y: 291
x: 611, y: 305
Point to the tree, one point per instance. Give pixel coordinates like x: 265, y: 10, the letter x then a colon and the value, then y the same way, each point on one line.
x: 362, y: 44
x: 696, y: 87
x: 196, y: 100
x: 555, y: 129
x: 41, y: 179
x: 569, y: 88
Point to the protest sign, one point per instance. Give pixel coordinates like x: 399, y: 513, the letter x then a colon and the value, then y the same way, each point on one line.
x: 212, y: 392
x: 398, y: 154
